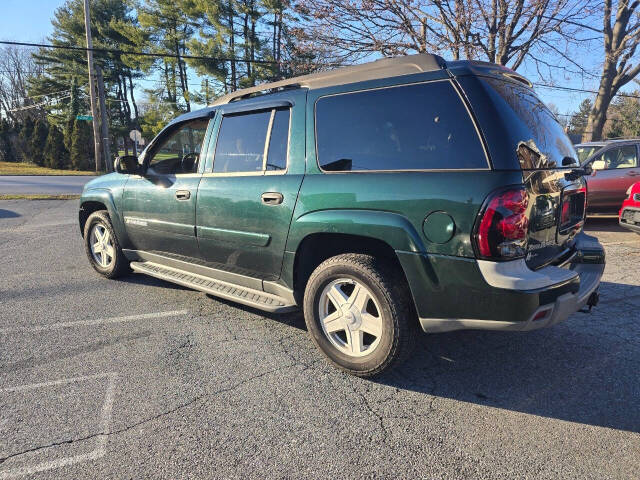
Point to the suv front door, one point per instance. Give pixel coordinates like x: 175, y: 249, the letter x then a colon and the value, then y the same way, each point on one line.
x: 614, y: 171
x: 159, y: 206
x: 247, y: 195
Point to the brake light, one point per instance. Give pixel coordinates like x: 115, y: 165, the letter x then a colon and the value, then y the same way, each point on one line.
x: 501, y: 230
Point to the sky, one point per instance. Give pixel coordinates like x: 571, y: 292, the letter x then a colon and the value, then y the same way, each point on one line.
x: 30, y: 21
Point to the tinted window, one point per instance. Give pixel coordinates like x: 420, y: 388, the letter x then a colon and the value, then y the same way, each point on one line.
x: 413, y: 127
x: 277, y: 156
x: 531, y: 122
x: 179, y: 149
x: 241, y: 142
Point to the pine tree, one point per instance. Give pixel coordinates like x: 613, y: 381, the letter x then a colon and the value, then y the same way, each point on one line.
x: 24, y: 138
x: 38, y: 142
x: 578, y: 121
x: 82, y: 146
x: 623, y: 117
x: 74, y: 110
x: 7, y: 153
x: 55, y: 153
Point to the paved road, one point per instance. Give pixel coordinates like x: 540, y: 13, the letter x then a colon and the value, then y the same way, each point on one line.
x: 43, y: 184
x: 138, y: 378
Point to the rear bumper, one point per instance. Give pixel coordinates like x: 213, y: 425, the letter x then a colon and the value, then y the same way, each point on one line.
x: 544, y: 316
x: 634, y: 227
x: 470, y: 294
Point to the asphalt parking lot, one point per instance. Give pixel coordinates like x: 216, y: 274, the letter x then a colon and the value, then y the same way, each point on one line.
x: 139, y: 378
x: 43, y: 184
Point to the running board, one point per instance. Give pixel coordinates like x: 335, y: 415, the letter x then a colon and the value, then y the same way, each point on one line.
x: 247, y: 296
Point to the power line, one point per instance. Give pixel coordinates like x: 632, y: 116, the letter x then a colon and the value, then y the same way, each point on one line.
x: 131, y: 52
x: 583, y: 90
x: 37, y: 105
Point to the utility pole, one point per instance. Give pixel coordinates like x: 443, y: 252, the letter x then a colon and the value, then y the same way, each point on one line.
x: 92, y: 85
x: 106, y: 148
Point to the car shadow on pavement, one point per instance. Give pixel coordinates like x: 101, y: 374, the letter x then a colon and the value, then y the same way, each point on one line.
x: 597, y: 224
x: 292, y: 319
x: 585, y: 370
x: 8, y: 213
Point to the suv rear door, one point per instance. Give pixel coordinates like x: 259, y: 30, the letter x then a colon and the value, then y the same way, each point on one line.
x: 247, y: 195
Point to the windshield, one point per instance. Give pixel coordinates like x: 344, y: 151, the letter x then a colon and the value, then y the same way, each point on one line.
x: 540, y: 135
x: 585, y: 152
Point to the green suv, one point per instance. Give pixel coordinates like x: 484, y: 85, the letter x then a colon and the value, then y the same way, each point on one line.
x: 381, y: 198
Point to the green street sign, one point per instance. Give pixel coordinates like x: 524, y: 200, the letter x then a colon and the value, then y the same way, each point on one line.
x: 84, y: 117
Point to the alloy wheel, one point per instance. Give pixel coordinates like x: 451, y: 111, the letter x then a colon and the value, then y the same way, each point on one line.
x: 102, y: 246
x: 350, y: 317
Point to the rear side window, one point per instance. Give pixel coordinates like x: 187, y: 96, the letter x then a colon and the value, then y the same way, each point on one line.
x: 240, y: 146
x: 413, y: 127
x: 243, y: 144
x: 279, y: 142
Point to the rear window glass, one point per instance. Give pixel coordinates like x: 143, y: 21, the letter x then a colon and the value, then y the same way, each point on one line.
x: 533, y: 124
x: 412, y: 127
x: 586, y: 151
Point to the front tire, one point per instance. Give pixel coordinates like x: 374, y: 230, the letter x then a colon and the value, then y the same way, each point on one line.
x: 359, y: 313
x: 102, y: 246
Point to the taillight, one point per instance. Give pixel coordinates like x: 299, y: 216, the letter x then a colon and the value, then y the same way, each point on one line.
x: 501, y: 229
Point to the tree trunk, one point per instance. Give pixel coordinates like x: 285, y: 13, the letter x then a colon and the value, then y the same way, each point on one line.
x: 598, y: 115
x: 245, y: 32
x: 232, y: 49
x: 133, y: 100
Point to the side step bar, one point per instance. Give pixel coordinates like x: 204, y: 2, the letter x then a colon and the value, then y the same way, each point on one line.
x: 247, y: 296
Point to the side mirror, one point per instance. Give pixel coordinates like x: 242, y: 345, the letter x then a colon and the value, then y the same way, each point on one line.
x: 127, y: 164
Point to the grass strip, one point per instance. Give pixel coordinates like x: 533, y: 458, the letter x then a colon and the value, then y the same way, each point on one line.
x: 38, y: 196
x: 18, y: 168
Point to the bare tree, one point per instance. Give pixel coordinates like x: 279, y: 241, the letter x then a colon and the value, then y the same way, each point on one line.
x: 621, y: 39
x: 17, y: 66
x: 501, y: 31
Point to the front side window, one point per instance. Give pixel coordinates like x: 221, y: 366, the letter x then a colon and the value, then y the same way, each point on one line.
x: 243, y: 145
x: 412, y: 127
x: 179, y: 151
x: 620, y: 157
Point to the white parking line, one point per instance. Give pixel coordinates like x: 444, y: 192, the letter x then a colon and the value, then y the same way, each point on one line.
x: 105, y: 420
x: 53, y: 383
x: 99, y: 321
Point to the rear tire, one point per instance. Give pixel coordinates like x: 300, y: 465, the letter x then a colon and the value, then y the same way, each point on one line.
x: 102, y: 246
x: 359, y: 313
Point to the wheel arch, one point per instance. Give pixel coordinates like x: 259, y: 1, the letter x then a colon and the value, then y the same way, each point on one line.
x: 95, y: 200
x: 316, y: 236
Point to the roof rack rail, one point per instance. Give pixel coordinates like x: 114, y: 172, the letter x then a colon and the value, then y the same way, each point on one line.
x: 292, y: 86
x: 383, y: 68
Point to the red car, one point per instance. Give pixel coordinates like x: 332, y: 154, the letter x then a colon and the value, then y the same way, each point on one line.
x: 615, y: 168
x: 630, y: 211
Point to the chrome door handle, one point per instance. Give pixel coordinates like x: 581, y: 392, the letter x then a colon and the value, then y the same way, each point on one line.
x: 272, y: 198
x: 183, y: 194
x: 633, y: 174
